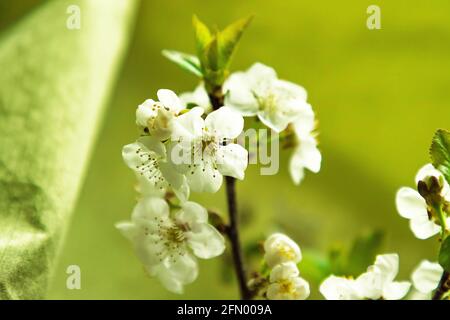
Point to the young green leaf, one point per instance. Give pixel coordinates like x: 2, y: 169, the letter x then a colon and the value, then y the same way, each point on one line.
x: 363, y: 252
x: 228, y: 40
x: 186, y: 61
x: 202, y: 36
x: 440, y: 152
x: 444, y: 254
x: 52, y: 98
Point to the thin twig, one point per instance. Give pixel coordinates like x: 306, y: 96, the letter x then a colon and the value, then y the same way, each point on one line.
x: 443, y: 287
x: 216, y: 97
x: 233, y: 235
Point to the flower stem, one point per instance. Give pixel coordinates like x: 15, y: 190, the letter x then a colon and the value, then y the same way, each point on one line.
x: 216, y: 98
x: 233, y: 235
x: 443, y: 287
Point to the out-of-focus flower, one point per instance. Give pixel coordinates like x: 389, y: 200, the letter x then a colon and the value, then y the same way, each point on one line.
x: 419, y: 208
x: 279, y: 248
x: 168, y: 242
x: 258, y: 92
x: 375, y: 284
x: 425, y: 279
x: 339, y: 288
x: 306, y: 154
x: 285, y: 283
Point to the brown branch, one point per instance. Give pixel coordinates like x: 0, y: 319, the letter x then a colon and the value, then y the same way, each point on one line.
x: 232, y: 231
x: 233, y: 235
x: 443, y: 287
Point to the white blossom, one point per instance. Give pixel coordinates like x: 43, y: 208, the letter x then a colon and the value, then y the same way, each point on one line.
x: 378, y: 282
x: 158, y: 116
x: 375, y: 284
x: 279, y: 248
x: 411, y: 205
x: 147, y: 157
x: 258, y: 92
x: 339, y: 288
x: 198, y: 97
x: 204, y: 150
x: 306, y: 154
x: 285, y: 283
x: 425, y: 279
x: 167, y: 242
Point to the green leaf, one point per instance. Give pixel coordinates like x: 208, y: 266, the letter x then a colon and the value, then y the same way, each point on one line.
x: 444, y: 254
x: 363, y: 252
x: 355, y: 259
x: 53, y: 88
x: 228, y: 40
x: 314, y: 266
x: 186, y: 61
x: 215, y: 50
x: 440, y: 152
x: 202, y: 36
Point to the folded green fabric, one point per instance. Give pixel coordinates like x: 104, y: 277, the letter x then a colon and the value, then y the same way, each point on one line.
x: 54, y: 81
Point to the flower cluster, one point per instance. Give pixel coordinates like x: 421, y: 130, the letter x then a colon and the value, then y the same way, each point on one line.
x: 282, y: 256
x: 377, y: 283
x: 179, y: 151
x: 428, y: 207
x: 184, y: 151
x: 279, y: 104
x: 167, y: 238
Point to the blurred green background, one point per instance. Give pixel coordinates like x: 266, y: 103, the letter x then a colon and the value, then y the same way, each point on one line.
x: 379, y: 96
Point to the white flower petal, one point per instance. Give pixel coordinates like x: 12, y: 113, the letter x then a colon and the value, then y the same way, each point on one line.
x: 423, y: 228
x: 426, y: 171
x: 174, y: 273
x: 387, y: 265
x: 296, y: 170
x: 198, y: 97
x: 410, y: 203
x: 280, y: 106
x: 206, y: 241
x: 293, y: 289
x: 284, y: 271
x: 417, y: 295
x: 188, y: 125
x: 426, y: 276
x: 224, y: 123
x: 192, y: 213
x: 369, y: 285
x: 260, y: 78
x: 152, y: 144
x: 176, y: 180
x: 272, y: 118
x: 127, y: 229
x: 204, y: 178
x: 305, y: 122
x: 290, y: 90
x: 149, y: 208
x: 279, y: 248
x: 169, y: 99
x: 232, y: 160
x: 144, y: 112
x: 338, y: 288
x: 147, y: 188
x: 239, y: 96
x: 396, y: 290
x: 167, y: 280
x: 145, y: 245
